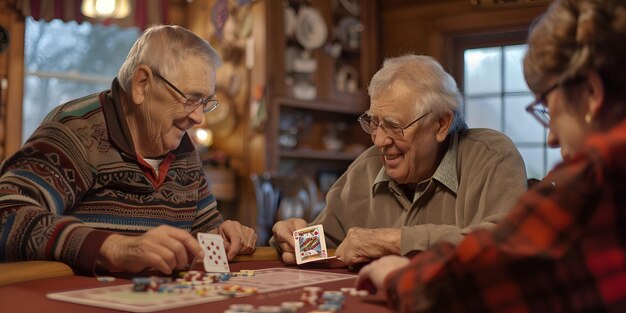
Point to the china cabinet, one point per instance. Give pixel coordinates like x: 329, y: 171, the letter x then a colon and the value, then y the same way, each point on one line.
x: 321, y: 56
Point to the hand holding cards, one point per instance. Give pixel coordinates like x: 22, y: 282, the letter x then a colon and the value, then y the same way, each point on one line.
x: 215, y: 260
x: 310, y: 244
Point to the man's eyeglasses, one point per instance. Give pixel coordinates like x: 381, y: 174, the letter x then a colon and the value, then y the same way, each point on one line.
x: 539, y: 109
x: 192, y: 102
x: 370, y: 124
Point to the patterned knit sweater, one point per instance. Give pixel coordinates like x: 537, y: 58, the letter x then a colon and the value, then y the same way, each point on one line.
x: 77, y: 179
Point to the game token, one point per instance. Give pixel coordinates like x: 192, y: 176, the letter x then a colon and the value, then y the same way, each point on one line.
x: 329, y: 307
x: 105, y: 279
x: 241, y: 307
x: 228, y: 293
x: 311, y: 294
x: 292, y: 306
x: 332, y: 298
x: 269, y: 309
x: 360, y: 293
x: 231, y: 287
x: 247, y: 272
x: 249, y: 290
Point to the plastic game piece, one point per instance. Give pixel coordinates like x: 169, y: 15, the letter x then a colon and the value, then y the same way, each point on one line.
x: 311, y: 295
x: 269, y: 309
x: 241, y: 307
x: 249, y: 290
x: 247, y: 272
x: 329, y: 307
x: 292, y: 306
x: 228, y: 293
x: 105, y: 279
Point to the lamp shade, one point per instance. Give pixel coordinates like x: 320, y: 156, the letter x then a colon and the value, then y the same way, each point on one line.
x: 106, y: 8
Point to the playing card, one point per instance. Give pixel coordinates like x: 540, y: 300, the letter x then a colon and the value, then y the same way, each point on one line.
x: 215, y: 259
x: 310, y: 244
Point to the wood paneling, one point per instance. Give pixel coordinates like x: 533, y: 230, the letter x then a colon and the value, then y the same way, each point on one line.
x: 244, y: 146
x: 12, y: 69
x: 428, y: 27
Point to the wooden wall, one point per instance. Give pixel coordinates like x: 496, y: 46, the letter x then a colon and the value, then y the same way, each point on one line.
x: 430, y: 27
x: 12, y: 75
x: 243, y: 145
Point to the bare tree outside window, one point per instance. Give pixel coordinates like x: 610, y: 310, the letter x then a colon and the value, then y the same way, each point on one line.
x: 495, y: 97
x: 65, y: 61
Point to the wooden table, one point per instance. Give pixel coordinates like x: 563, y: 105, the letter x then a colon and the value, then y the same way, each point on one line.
x: 25, y: 289
x: 24, y: 271
x: 14, y: 272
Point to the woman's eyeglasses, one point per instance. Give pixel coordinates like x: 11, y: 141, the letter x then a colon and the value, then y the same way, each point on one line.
x: 539, y: 109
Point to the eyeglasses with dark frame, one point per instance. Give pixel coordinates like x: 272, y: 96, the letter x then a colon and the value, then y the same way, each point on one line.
x: 394, y: 131
x: 192, y: 102
x: 539, y: 108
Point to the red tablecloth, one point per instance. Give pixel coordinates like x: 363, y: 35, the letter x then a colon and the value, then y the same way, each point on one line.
x: 30, y: 296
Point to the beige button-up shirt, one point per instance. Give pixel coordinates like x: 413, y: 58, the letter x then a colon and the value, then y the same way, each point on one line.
x: 477, y: 181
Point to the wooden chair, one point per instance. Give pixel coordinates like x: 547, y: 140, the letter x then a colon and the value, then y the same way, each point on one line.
x: 279, y: 198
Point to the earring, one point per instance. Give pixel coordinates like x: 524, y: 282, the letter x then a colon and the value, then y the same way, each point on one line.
x: 588, y: 118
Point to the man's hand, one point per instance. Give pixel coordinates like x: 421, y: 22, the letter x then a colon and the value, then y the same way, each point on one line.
x: 283, y: 235
x: 363, y: 245
x: 372, y: 276
x: 238, y: 239
x: 164, y: 248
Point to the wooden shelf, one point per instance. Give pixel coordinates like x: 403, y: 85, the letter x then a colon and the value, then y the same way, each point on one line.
x: 332, y: 103
x: 318, y: 154
x: 336, y: 107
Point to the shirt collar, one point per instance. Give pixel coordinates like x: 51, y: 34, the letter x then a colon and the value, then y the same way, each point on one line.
x: 445, y: 173
x: 119, y: 133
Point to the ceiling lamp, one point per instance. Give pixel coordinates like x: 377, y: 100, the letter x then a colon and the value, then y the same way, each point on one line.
x: 106, y: 8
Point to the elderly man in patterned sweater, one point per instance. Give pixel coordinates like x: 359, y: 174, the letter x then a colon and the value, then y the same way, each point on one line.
x: 112, y: 181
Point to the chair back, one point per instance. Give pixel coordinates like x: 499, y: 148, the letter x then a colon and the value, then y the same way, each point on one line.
x: 282, y: 197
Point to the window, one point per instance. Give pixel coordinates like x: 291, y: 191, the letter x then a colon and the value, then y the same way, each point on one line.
x: 65, y: 61
x: 496, y: 96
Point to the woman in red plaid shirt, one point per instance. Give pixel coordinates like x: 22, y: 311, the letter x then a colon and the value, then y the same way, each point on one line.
x: 563, y: 247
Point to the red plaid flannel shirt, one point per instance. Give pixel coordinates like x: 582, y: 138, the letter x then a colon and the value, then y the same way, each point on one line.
x: 561, y: 249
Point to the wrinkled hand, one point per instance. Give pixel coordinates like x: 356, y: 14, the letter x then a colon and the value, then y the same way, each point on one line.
x: 164, y: 248
x: 283, y: 235
x: 372, y: 276
x: 238, y: 239
x: 363, y: 245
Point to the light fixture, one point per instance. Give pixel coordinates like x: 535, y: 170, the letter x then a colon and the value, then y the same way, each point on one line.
x: 106, y: 8
x: 202, y: 136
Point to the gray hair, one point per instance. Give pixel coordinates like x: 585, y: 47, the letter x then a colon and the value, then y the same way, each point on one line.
x: 575, y: 36
x: 433, y: 89
x: 163, y: 48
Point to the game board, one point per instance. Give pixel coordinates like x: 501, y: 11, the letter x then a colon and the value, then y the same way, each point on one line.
x: 122, y: 297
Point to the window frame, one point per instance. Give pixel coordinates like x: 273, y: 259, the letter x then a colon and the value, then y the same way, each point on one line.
x: 501, y: 38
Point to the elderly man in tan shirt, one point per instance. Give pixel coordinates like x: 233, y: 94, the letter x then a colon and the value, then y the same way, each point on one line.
x: 427, y: 178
